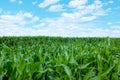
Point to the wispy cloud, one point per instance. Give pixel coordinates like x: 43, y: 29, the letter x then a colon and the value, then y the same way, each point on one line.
x: 18, y: 1
x: 56, y: 8
x: 77, y: 3
x: 83, y: 12
x: 18, y: 20
x: 46, y: 3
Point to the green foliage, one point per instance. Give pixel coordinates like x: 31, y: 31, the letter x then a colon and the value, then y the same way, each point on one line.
x: 56, y: 58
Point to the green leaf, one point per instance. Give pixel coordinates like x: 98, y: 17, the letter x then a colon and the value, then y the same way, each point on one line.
x: 84, y: 66
x: 73, y: 61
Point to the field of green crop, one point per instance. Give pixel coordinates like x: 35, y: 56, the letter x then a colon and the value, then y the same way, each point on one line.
x: 55, y: 58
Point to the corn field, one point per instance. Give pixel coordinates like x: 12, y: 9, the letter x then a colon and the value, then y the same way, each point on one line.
x: 56, y: 58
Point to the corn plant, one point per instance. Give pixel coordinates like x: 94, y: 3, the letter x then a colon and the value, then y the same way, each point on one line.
x: 57, y: 58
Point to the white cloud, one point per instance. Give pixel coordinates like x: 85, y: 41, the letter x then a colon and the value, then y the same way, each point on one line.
x: 56, y: 8
x: 10, y: 26
x: 17, y: 24
x: 77, y: 3
x: 19, y: 19
x: 18, y: 31
x: 46, y: 3
x: 60, y: 27
x: 90, y: 18
x: 84, y: 12
x: 117, y: 27
x: 34, y: 19
x: 29, y: 15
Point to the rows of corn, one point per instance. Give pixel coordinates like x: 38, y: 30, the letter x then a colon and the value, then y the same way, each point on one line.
x: 55, y: 58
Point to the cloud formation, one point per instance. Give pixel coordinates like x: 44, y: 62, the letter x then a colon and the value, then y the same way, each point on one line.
x: 76, y: 18
x: 46, y: 3
x: 56, y: 8
x: 82, y: 12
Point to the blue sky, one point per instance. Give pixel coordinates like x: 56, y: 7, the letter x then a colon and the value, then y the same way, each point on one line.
x: 66, y: 18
